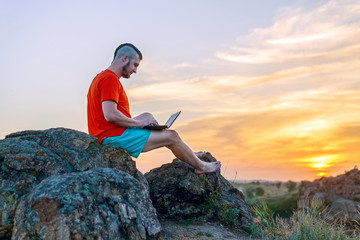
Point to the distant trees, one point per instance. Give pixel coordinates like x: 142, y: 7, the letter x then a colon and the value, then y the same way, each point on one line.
x: 251, y: 192
x: 255, y: 189
x: 255, y: 182
x: 290, y: 185
x: 259, y: 191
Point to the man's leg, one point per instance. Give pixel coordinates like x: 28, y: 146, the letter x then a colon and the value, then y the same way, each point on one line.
x: 171, y: 140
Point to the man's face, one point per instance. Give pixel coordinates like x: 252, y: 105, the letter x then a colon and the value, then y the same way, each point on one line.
x: 130, y: 67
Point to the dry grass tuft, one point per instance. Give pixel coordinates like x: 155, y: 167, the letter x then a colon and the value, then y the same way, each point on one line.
x: 314, y: 223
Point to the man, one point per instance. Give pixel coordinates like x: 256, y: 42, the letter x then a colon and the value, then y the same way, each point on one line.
x: 109, y: 117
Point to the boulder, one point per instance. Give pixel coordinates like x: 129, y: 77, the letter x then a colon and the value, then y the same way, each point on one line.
x: 102, y: 203
x: 341, y: 195
x: 29, y: 157
x: 178, y: 193
x: 76, y: 150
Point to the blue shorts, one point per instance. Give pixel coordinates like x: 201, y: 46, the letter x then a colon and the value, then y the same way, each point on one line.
x: 132, y: 140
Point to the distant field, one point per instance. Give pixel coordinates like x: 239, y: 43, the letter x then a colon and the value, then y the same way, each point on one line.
x: 281, y: 197
x: 271, y: 189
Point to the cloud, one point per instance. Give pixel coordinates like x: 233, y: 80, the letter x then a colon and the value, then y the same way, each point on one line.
x: 304, y: 59
x: 183, y: 65
x: 328, y: 31
x: 295, y: 88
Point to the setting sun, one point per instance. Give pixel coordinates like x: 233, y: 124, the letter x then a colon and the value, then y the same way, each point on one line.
x: 322, y: 162
x: 319, y: 165
x: 321, y: 174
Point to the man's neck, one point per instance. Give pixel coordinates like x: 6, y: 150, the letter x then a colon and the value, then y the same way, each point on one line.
x: 115, y: 70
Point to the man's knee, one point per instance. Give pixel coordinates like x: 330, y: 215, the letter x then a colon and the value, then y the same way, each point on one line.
x: 147, y: 114
x: 173, y: 136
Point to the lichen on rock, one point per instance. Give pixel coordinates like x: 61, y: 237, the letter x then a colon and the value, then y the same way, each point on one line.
x: 27, y: 158
x: 101, y: 203
x: 178, y: 193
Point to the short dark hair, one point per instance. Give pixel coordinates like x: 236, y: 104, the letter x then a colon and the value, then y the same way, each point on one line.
x: 130, y: 53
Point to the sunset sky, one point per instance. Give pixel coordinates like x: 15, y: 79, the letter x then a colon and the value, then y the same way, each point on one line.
x: 270, y: 88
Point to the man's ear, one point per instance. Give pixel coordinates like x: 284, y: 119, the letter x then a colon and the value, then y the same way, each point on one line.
x: 125, y: 58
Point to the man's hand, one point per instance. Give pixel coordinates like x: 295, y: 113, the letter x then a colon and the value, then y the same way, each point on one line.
x: 146, y: 119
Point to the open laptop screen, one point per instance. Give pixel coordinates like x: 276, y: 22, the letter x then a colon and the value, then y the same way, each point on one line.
x: 167, y: 124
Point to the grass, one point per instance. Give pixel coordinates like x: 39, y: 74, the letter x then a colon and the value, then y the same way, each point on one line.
x: 277, y: 216
x: 283, y: 206
x: 310, y: 224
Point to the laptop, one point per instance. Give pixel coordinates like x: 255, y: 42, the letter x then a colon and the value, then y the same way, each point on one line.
x: 167, y: 124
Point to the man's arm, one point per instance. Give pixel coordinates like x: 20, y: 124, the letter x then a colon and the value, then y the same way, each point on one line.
x: 113, y: 115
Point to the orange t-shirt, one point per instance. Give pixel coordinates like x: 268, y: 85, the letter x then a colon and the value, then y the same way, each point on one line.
x: 105, y: 86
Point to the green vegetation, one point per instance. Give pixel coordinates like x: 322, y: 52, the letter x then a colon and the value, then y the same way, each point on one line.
x: 283, y: 206
x: 277, y: 216
x: 290, y: 185
x: 281, y: 198
x: 209, y: 234
x: 9, y: 198
x: 212, y: 204
x: 308, y: 224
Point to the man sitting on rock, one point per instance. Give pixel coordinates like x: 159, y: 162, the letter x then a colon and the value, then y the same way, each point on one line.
x: 110, y: 121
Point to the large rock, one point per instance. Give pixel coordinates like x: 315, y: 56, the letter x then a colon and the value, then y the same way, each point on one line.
x: 76, y: 150
x: 27, y: 158
x: 178, y: 193
x: 99, y: 204
x: 341, y: 195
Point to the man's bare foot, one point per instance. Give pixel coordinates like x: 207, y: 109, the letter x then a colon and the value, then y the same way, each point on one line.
x: 209, y: 167
x: 200, y: 154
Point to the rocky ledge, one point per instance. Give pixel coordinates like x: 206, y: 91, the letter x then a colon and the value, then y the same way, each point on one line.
x: 340, y: 195
x: 61, y: 184
x: 178, y: 193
